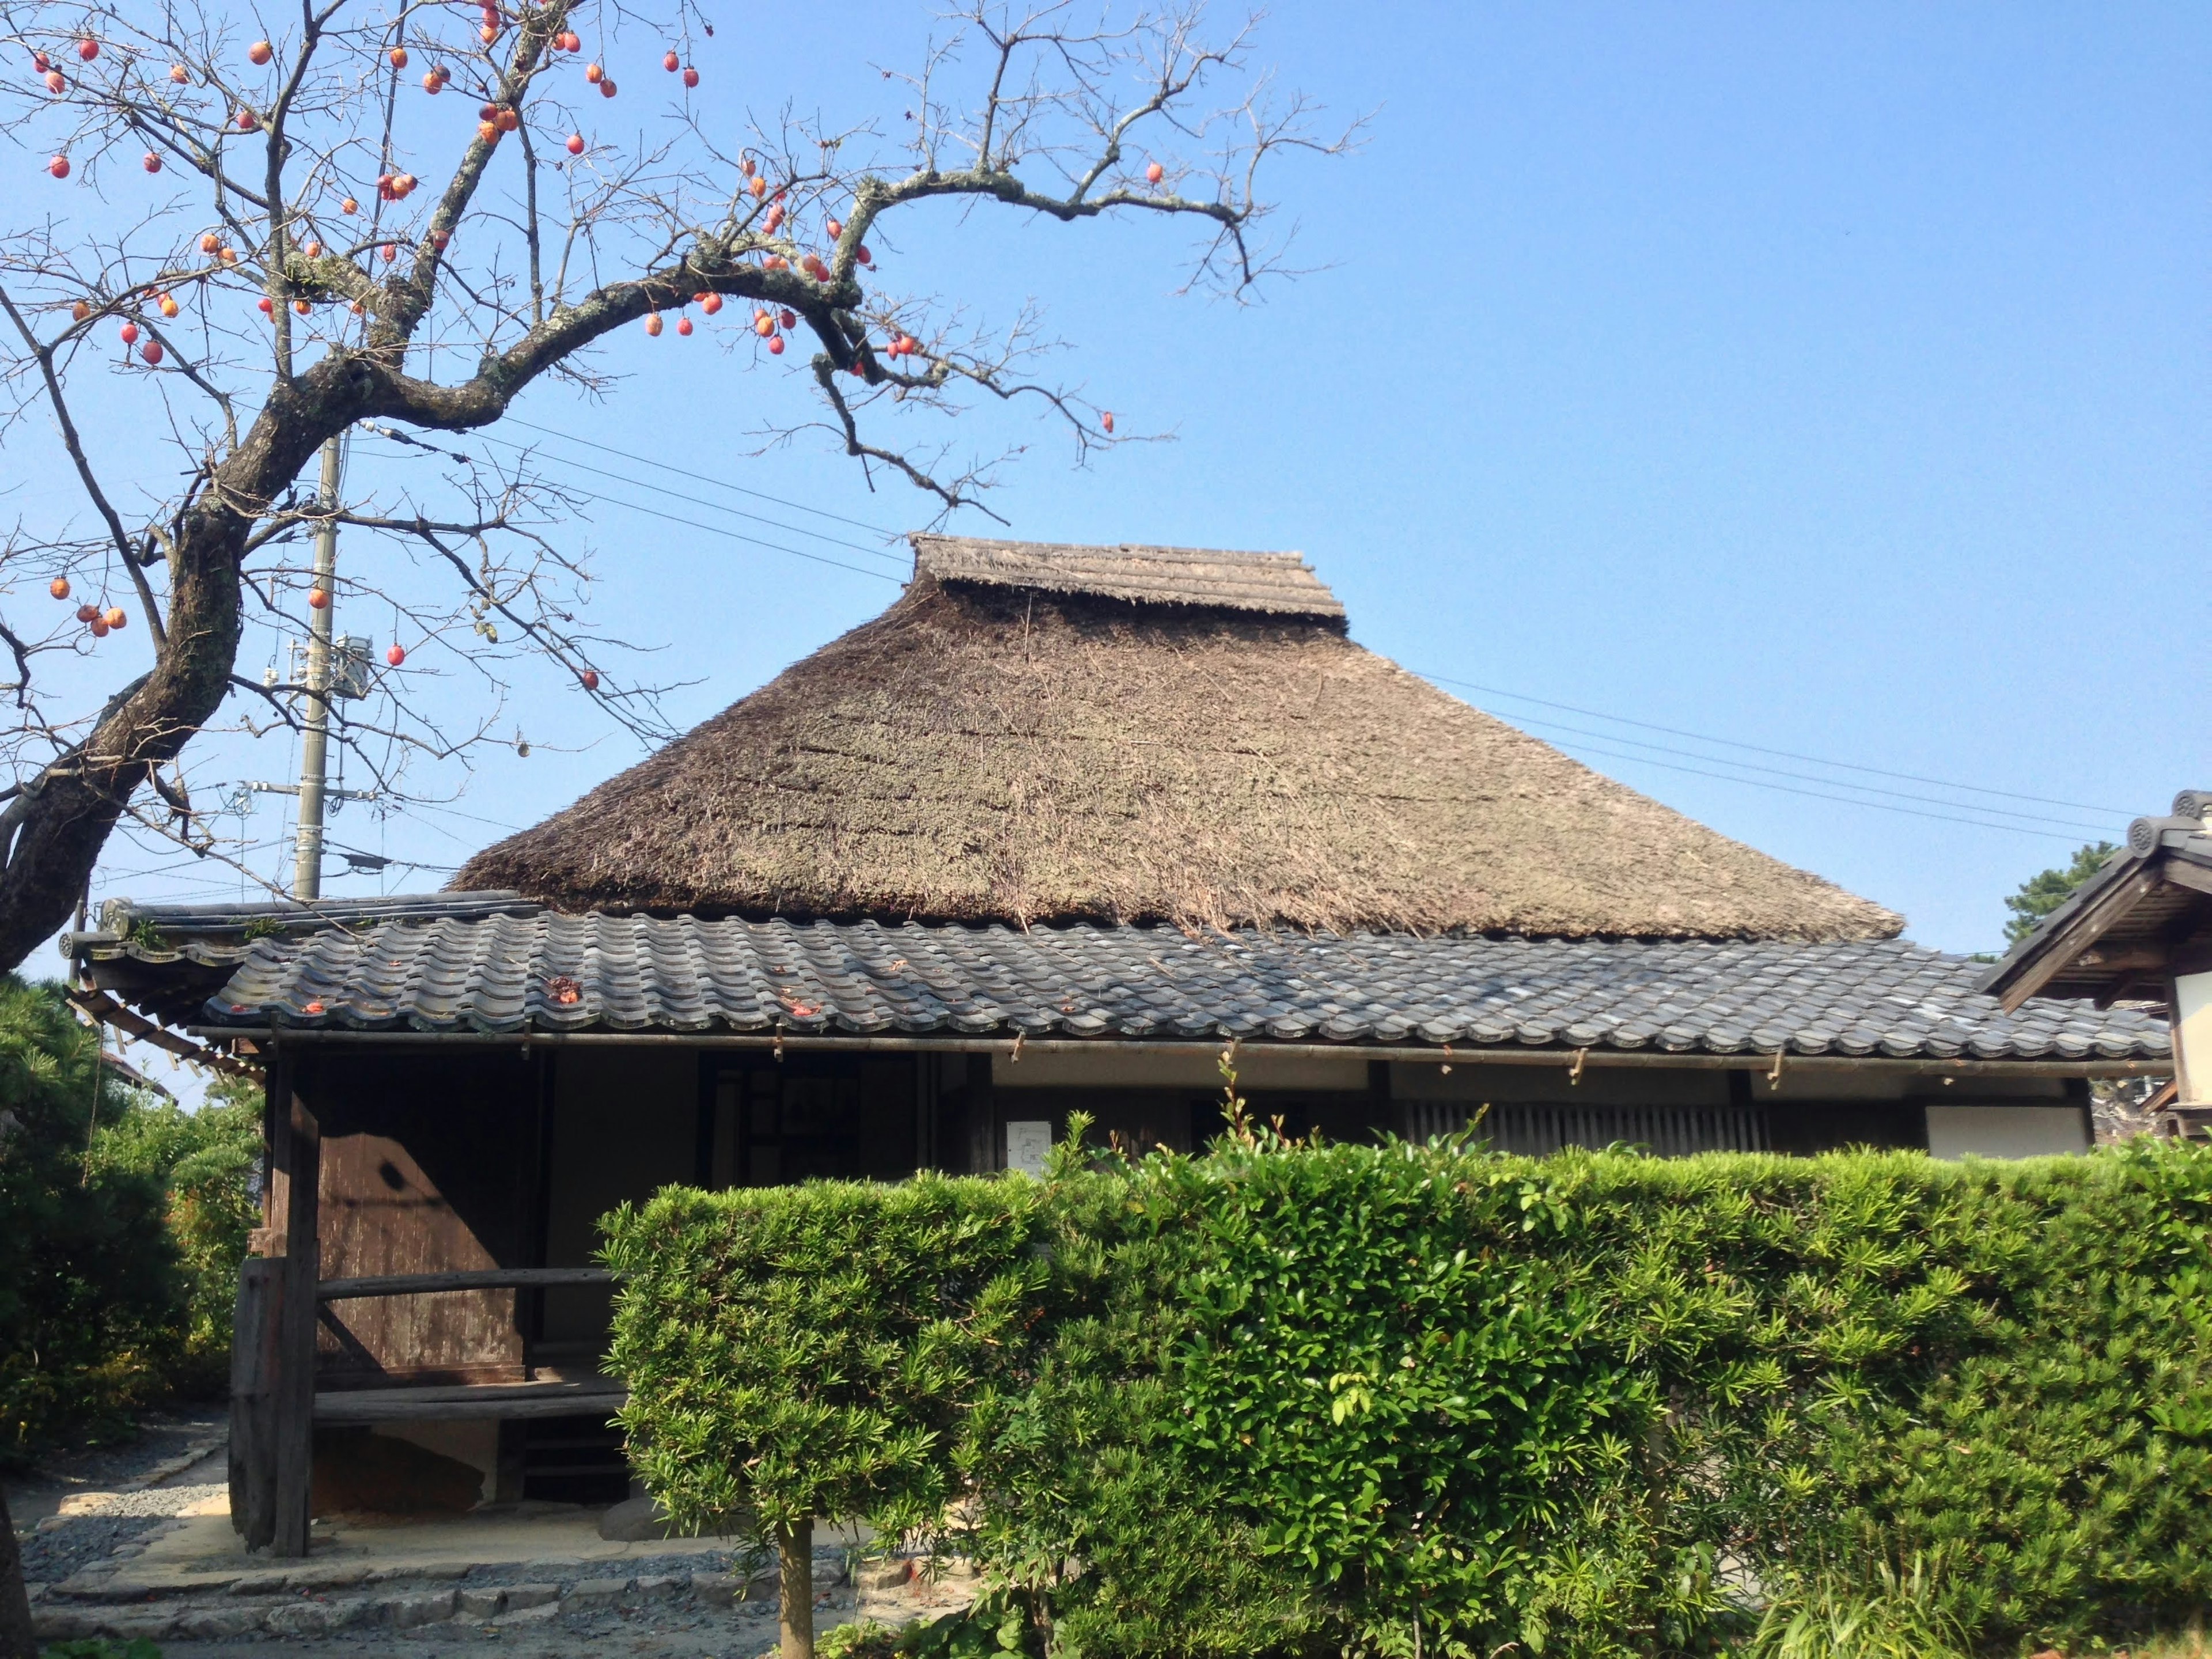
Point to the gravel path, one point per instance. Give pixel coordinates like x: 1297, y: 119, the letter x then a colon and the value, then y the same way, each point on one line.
x: 94, y: 1509
x: 49, y: 1557
x: 114, y: 1495
x: 162, y: 1436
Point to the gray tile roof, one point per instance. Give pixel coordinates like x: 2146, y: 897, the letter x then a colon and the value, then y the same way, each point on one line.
x: 485, y: 971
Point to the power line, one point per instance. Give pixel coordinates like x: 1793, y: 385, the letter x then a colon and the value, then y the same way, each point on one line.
x: 717, y: 506
x: 672, y: 518
x: 701, y: 477
x: 455, y: 812
x: 754, y: 541
x: 1808, y: 777
x: 1785, y: 754
x: 1847, y: 800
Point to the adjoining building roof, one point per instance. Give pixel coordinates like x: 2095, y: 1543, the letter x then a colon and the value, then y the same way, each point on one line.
x: 487, y: 967
x: 2146, y: 914
x: 993, y: 748
x: 1282, y: 583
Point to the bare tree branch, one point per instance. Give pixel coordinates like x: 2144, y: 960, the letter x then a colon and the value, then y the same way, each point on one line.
x: 274, y: 287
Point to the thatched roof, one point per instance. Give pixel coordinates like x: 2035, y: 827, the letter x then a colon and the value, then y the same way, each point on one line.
x: 992, y: 748
x: 1282, y: 583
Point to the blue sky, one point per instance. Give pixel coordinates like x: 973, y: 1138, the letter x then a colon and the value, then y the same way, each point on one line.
x: 1832, y: 379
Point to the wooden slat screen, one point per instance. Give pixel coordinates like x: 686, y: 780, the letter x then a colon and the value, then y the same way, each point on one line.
x: 1537, y: 1129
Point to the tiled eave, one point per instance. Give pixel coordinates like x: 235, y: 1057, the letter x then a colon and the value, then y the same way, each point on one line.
x: 504, y: 970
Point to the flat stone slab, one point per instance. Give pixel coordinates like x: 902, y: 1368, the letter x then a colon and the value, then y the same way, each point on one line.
x: 597, y: 1592
x: 201, y: 1552
x: 547, y: 1577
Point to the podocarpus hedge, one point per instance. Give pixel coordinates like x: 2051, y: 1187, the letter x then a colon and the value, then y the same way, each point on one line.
x: 1414, y: 1400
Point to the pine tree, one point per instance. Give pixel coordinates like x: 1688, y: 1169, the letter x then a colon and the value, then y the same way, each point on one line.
x: 2038, y: 896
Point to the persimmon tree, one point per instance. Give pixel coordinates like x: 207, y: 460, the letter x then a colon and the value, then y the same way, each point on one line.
x: 268, y: 232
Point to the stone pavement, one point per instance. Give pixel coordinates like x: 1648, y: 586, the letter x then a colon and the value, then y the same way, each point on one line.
x: 155, y: 1557
x: 696, y: 1603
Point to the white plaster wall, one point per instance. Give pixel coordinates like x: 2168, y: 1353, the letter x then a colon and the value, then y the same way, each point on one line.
x: 1955, y: 1132
x: 2192, y: 1036
x: 1108, y: 1068
x: 1619, y: 1086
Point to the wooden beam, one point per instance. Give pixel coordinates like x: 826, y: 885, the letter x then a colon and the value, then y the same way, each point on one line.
x: 484, y: 1278
x: 466, y: 1404
x: 2065, y: 948
x: 2197, y: 878
x: 295, y: 1376
x: 447, y: 1394
x: 2131, y: 959
x: 106, y: 1011
x: 1410, y: 1053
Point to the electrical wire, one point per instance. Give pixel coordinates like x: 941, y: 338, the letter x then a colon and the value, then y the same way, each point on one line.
x: 700, y: 478
x: 383, y: 862
x: 1783, y: 754
x: 1919, y: 808
x: 1809, y: 777
x: 1847, y: 800
x: 716, y: 507
x: 455, y: 812
x: 1923, y: 802
x: 753, y: 541
x: 674, y: 518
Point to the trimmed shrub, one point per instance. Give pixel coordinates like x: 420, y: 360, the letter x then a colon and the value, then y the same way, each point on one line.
x: 800, y: 1352
x: 1427, y: 1399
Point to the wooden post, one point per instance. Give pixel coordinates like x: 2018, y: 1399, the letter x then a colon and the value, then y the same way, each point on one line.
x: 253, y: 1369
x: 294, y: 1413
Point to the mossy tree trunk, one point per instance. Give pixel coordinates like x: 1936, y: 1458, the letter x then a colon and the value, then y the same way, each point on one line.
x: 794, y: 1552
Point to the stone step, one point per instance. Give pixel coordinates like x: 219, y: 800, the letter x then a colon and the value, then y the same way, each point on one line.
x: 295, y: 1604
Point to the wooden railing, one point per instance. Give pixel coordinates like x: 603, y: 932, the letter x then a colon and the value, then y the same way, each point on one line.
x: 479, y: 1278
x: 473, y: 1402
x: 464, y: 1401
x: 282, y: 1300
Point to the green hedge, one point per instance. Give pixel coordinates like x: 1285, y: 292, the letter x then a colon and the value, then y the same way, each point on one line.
x: 1422, y: 1400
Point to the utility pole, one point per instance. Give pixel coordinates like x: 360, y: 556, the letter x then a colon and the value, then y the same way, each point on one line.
x: 314, y: 745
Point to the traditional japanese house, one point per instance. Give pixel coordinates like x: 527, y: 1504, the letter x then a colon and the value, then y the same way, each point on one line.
x: 1048, y: 834
x: 2139, y: 931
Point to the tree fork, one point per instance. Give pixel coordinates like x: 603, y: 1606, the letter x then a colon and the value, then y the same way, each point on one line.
x: 82, y: 793
x: 640, y: 222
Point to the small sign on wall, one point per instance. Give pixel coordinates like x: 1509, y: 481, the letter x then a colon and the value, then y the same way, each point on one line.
x: 1028, y: 1143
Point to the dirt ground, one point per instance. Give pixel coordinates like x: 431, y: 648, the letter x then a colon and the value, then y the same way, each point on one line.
x: 135, y: 1541
x: 142, y: 1531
